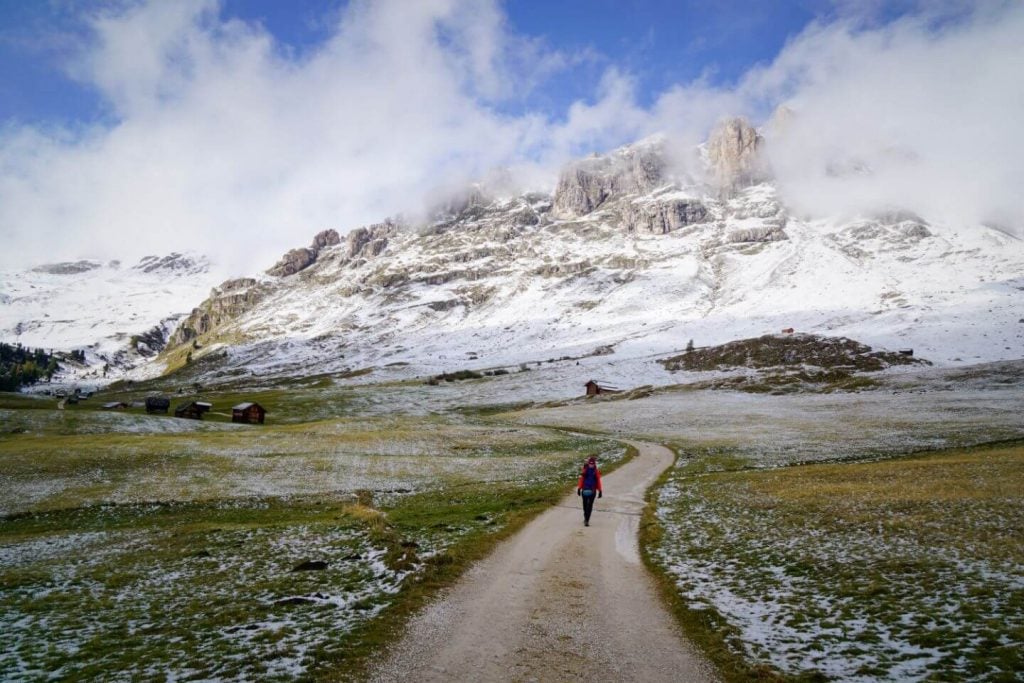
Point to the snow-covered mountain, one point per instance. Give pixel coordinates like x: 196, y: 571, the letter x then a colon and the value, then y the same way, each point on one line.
x: 625, y: 257
x: 118, y: 314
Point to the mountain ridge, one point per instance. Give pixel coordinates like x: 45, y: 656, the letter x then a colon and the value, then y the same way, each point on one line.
x: 626, y: 253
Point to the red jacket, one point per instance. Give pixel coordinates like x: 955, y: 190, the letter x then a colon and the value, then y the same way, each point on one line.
x: 579, y: 484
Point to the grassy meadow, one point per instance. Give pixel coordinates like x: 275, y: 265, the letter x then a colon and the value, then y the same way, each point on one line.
x: 904, y: 569
x: 137, y: 547
x: 850, y: 536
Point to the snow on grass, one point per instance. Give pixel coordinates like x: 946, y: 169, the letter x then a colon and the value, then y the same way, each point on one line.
x: 226, y: 461
x: 897, y: 570
x: 768, y: 431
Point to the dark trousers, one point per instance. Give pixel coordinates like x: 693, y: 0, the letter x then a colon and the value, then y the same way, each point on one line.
x: 588, y: 505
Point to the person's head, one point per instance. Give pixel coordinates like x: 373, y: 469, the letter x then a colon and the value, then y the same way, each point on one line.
x: 592, y: 461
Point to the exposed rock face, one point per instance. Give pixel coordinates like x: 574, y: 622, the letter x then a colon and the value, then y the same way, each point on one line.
x: 226, y: 302
x: 303, y: 257
x: 150, y: 342
x: 292, y: 262
x: 174, y: 263
x: 766, y: 233
x: 733, y: 155
x: 586, y: 185
x: 325, y: 238
x: 67, y: 268
x: 371, y: 240
x: 663, y: 217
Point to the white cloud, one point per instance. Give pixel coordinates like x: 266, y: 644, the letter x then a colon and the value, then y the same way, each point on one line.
x: 223, y: 140
x: 225, y: 143
x: 910, y: 114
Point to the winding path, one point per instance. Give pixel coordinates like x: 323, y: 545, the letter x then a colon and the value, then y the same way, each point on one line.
x: 556, y: 602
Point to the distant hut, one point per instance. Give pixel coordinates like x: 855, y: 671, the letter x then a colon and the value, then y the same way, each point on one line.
x: 115, y: 405
x: 193, y: 410
x: 157, y: 404
x: 248, y: 412
x: 595, y: 388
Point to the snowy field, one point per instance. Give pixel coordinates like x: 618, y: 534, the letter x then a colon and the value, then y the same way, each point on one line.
x: 760, y: 430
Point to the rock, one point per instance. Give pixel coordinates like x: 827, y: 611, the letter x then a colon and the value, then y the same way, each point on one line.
x: 292, y: 262
x: 296, y: 600
x: 299, y: 259
x: 151, y: 342
x: 370, y: 241
x: 586, y: 185
x: 173, y: 264
x: 226, y: 302
x: 733, y: 155
x: 446, y: 305
x: 767, y: 233
x: 662, y: 217
x: 325, y: 238
x: 67, y: 268
x: 310, y: 566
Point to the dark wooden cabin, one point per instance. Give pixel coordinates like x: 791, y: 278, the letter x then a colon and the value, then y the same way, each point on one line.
x: 192, y: 410
x: 248, y: 412
x: 157, y: 404
x: 595, y: 388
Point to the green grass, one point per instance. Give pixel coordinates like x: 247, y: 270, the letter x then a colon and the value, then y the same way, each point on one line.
x: 180, y: 546
x: 905, y: 567
x: 200, y: 586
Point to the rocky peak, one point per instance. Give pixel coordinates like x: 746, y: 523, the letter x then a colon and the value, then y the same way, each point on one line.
x: 586, y: 185
x: 303, y: 257
x: 733, y: 155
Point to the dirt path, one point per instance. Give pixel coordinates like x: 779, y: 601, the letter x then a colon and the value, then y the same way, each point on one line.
x: 557, y: 602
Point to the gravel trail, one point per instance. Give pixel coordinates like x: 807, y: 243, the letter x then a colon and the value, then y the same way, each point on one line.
x: 556, y: 602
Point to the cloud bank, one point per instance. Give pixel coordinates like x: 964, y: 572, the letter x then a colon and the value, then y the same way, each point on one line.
x: 221, y: 140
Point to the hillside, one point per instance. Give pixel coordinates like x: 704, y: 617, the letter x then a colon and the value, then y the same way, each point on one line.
x: 626, y: 256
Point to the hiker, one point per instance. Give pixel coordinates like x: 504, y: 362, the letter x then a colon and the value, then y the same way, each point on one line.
x: 588, y: 485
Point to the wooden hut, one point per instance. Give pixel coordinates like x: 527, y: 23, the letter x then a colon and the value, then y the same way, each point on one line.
x: 248, y: 412
x: 596, y: 388
x: 157, y: 404
x: 193, y: 410
x: 115, y: 405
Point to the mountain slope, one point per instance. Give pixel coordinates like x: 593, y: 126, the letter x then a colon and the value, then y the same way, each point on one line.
x: 624, y: 256
x: 118, y: 314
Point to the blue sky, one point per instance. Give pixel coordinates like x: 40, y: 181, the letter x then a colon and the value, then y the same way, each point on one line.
x: 659, y: 43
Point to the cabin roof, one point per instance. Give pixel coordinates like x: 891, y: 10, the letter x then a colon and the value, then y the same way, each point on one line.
x: 202, y: 404
x: 247, y: 405
x: 114, y: 404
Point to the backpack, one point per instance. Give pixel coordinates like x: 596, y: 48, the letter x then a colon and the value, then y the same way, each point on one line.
x: 590, y: 478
